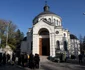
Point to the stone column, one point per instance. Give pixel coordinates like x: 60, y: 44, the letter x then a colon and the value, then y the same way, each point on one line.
x: 52, y: 45
x: 35, y: 44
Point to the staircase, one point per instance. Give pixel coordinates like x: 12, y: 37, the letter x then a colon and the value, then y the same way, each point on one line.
x: 43, y: 59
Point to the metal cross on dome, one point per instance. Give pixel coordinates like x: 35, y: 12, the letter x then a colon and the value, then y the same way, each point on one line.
x: 45, y: 2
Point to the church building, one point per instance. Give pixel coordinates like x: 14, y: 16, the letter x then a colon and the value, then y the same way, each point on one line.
x: 47, y: 36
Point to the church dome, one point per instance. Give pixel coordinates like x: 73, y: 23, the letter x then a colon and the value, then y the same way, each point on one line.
x: 73, y: 36
x: 45, y: 12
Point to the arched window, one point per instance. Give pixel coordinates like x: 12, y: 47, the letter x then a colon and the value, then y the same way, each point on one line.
x: 54, y: 21
x: 45, y: 19
x: 49, y: 19
x: 64, y: 35
x: 60, y: 23
x: 58, y: 45
x: 42, y: 19
x: 57, y: 22
x: 65, y: 45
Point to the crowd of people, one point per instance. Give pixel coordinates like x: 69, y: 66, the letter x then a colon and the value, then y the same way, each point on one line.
x: 6, y: 58
x: 31, y: 61
x: 81, y: 56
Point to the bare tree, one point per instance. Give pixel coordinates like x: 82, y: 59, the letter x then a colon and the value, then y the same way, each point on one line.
x: 3, y: 26
x: 7, y: 32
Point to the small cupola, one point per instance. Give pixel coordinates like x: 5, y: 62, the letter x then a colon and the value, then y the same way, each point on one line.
x: 46, y: 7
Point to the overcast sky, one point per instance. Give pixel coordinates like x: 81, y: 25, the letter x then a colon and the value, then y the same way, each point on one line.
x: 22, y: 12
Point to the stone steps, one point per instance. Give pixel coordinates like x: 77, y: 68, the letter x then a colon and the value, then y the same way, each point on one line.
x: 43, y: 59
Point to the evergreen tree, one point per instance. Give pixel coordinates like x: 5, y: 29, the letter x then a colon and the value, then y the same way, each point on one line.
x: 19, y: 37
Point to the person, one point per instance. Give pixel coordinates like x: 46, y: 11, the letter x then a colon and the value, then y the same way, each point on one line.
x: 0, y: 58
x: 13, y: 58
x: 80, y: 58
x: 22, y: 59
x: 25, y: 59
x: 19, y: 60
x: 37, y: 60
x: 4, y: 58
x: 31, y: 61
x: 8, y: 58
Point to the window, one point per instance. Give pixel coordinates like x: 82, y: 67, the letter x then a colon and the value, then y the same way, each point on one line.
x: 57, y: 22
x: 65, y: 45
x: 57, y: 32
x: 54, y: 21
x: 45, y: 19
x: 58, y: 45
x: 49, y: 19
x: 64, y: 35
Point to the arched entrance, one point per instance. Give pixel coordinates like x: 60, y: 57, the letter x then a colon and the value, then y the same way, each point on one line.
x: 44, y: 42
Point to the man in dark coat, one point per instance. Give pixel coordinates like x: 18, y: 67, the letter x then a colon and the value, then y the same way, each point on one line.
x: 13, y: 58
x: 37, y: 60
x: 8, y: 58
x: 0, y: 58
x: 80, y: 58
x: 31, y: 61
x: 4, y: 58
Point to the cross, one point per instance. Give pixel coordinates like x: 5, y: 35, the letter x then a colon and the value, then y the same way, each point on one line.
x: 45, y: 2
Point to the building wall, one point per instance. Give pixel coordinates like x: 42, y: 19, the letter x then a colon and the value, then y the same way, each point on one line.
x: 24, y: 46
x: 53, y: 26
x: 36, y: 29
x: 75, y: 47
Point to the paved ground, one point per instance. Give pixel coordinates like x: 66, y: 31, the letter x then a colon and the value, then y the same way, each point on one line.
x: 47, y: 65
x: 61, y: 66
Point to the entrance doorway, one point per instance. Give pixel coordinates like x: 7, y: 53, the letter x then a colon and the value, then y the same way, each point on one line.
x: 44, y: 46
x: 44, y: 42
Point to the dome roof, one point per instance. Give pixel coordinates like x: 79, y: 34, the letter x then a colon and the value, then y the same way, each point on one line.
x: 73, y: 36
x: 45, y: 12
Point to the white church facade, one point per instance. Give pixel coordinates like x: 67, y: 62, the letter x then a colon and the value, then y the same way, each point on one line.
x: 47, y: 36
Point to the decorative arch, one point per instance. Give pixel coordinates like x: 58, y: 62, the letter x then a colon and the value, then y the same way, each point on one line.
x: 46, y: 27
x: 44, y: 42
x: 43, y: 31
